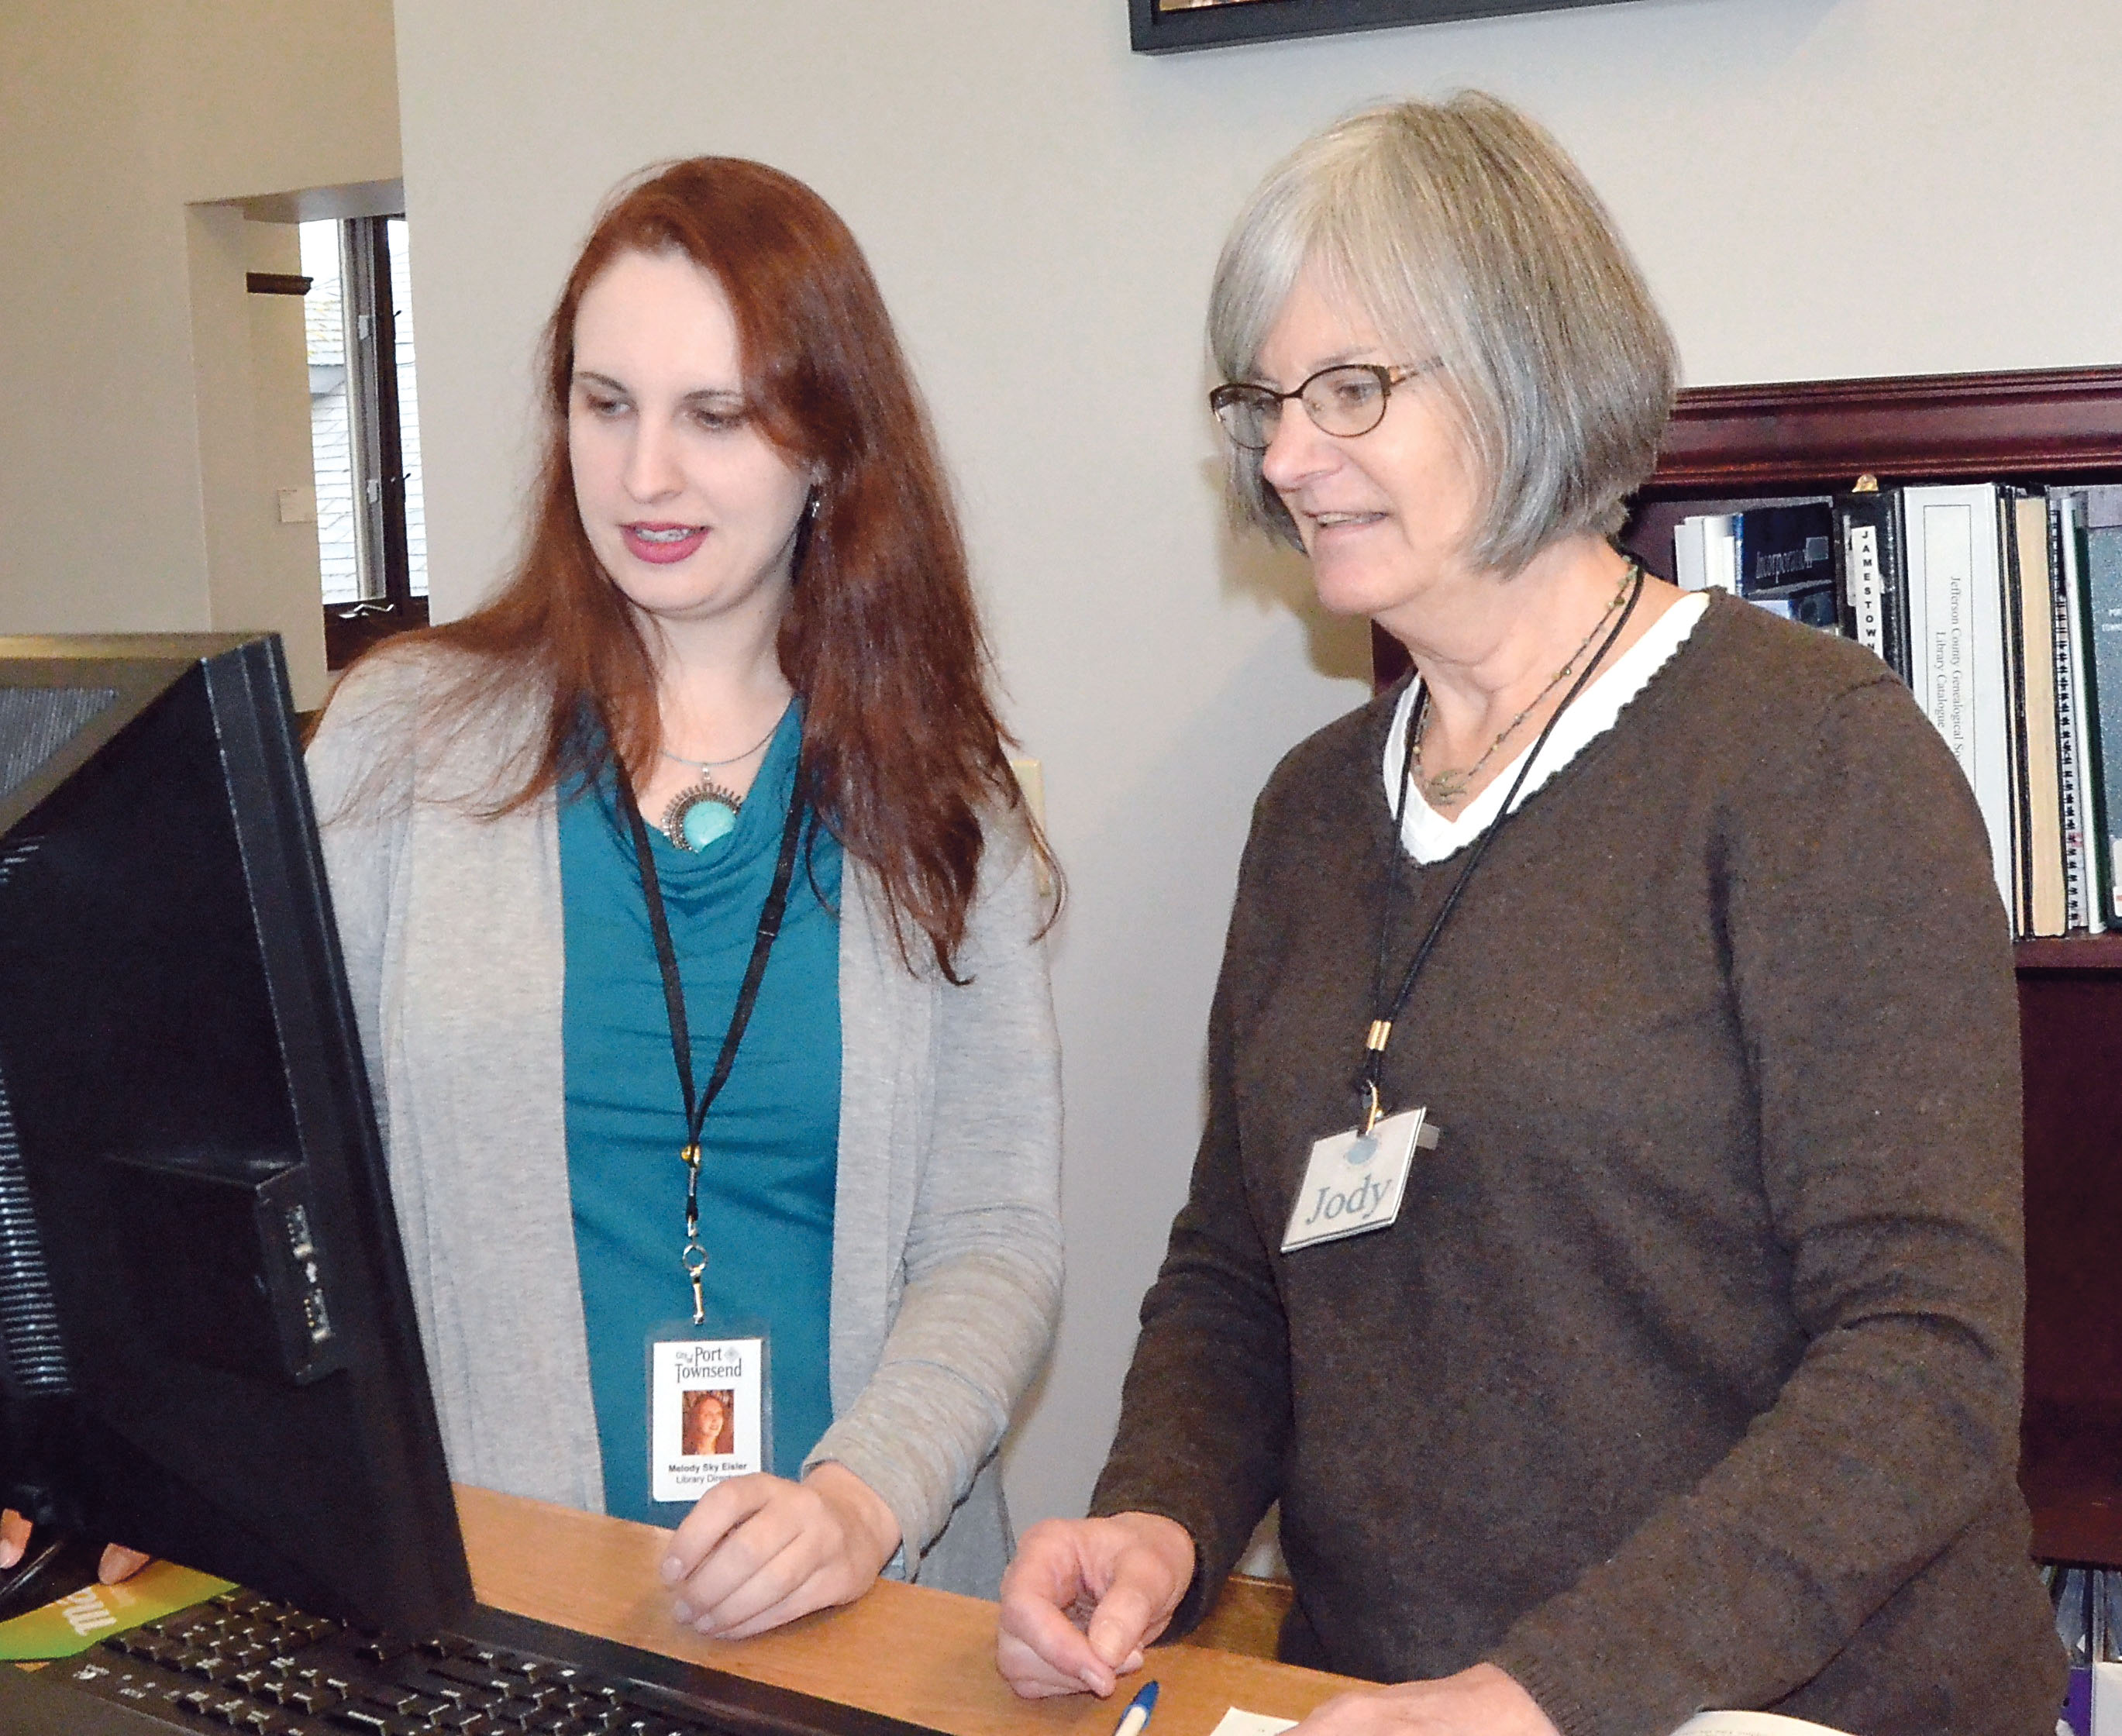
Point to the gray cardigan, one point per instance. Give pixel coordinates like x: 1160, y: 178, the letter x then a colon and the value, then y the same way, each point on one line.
x: 946, y: 1244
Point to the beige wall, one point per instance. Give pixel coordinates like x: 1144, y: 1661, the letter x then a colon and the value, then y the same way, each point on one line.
x: 137, y: 455
x: 1816, y: 187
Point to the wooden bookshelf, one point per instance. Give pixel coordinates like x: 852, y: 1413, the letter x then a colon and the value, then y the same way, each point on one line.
x: 1729, y: 445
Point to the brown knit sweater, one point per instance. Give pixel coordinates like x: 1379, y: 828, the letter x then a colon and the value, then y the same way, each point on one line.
x: 1688, y: 1375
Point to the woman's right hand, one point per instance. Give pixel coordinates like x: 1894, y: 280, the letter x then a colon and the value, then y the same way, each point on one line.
x: 117, y: 1563
x: 1084, y: 1597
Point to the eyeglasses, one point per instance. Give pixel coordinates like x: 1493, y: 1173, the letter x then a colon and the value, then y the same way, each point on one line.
x: 1345, y: 400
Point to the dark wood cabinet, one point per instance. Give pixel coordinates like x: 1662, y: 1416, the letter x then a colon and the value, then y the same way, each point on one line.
x: 1731, y: 444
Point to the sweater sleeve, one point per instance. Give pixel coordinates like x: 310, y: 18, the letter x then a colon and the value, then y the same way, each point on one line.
x: 1871, y: 974
x: 1205, y: 1410
x: 982, y: 1259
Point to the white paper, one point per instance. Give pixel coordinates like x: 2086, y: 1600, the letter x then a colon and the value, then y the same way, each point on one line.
x: 1237, y: 1723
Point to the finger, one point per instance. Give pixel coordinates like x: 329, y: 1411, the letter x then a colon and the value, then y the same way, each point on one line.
x: 756, y: 1562
x: 1039, y: 1651
x: 723, y: 1507
x: 119, y: 1563
x: 814, y: 1592
x: 14, y: 1537
x: 1033, y: 1676
x: 1134, y: 1609
x: 768, y: 1581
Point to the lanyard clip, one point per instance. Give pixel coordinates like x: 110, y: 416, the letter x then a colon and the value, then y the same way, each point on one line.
x: 694, y: 1259
x: 1372, y: 1109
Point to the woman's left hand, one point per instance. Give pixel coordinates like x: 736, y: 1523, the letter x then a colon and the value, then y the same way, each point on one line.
x: 1481, y: 1701
x: 756, y: 1552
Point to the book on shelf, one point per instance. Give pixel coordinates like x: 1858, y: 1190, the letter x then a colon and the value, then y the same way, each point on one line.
x: 2001, y: 607
x: 1786, y: 561
x: 1705, y: 550
x: 2102, y: 625
x: 2018, y: 762
x: 2075, y: 725
x: 2045, y: 910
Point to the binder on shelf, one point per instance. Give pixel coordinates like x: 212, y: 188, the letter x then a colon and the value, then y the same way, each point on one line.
x: 1957, y: 636
x: 1872, y: 572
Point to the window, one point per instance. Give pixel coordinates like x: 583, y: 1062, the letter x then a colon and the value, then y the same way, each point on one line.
x: 364, y: 430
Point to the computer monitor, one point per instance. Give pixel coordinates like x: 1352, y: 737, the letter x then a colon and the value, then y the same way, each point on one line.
x: 207, y: 1346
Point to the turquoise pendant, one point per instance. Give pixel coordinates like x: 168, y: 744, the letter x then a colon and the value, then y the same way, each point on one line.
x: 700, y: 817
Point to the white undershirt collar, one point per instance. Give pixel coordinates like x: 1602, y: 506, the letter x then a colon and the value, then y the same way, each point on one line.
x: 1429, y: 837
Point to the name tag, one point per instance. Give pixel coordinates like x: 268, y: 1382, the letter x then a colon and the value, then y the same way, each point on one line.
x: 1355, y: 1180
x: 708, y: 1413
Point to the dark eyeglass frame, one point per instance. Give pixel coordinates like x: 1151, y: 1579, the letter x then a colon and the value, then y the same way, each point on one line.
x: 1235, y: 395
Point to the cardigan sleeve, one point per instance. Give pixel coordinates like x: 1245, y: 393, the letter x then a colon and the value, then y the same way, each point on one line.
x: 1871, y: 974
x: 360, y: 766
x: 981, y: 1261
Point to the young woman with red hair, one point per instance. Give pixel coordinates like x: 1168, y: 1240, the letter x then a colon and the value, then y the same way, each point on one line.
x: 689, y: 905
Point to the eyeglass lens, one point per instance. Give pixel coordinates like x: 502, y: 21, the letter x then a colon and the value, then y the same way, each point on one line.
x: 1346, y: 401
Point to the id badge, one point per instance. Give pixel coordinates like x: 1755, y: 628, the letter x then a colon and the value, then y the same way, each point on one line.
x: 1355, y: 1180
x: 710, y: 1409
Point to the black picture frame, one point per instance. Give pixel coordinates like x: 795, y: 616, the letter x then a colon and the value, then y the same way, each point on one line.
x: 1154, y: 31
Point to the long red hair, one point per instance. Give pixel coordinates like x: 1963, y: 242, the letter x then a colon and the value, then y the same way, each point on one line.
x: 902, y: 749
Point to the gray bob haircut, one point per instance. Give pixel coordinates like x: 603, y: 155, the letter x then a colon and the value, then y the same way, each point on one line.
x: 1462, y: 230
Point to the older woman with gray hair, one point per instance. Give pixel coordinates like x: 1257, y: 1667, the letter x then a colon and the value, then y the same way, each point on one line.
x: 1605, y: 1240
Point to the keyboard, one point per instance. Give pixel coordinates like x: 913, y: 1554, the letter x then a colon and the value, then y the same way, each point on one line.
x: 244, y: 1663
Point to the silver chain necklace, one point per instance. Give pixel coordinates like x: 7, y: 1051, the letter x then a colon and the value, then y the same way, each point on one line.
x: 717, y: 765
x: 1447, y: 787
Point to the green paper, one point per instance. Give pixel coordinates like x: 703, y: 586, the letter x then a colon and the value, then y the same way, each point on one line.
x: 69, y: 1625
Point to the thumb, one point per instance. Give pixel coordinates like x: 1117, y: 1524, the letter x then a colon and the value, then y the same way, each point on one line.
x: 1134, y: 1611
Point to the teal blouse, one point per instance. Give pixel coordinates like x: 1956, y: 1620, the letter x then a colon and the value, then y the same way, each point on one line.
x: 771, y: 1141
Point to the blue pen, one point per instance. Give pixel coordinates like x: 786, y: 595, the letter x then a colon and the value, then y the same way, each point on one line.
x: 1137, y: 1714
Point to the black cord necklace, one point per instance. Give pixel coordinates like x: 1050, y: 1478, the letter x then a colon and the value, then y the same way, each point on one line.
x: 693, y: 1256
x: 1384, y: 1014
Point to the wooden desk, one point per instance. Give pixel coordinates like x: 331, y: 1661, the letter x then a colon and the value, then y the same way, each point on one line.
x: 925, y: 1656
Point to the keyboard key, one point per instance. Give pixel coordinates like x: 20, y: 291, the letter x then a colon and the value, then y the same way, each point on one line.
x: 310, y: 1699
x: 473, y: 1674
x: 400, y: 1701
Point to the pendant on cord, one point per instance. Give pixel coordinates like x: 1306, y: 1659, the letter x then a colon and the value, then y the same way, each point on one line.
x: 703, y: 814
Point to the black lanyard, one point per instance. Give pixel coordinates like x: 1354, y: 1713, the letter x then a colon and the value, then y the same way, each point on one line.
x: 693, y: 1257
x: 1384, y: 1015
